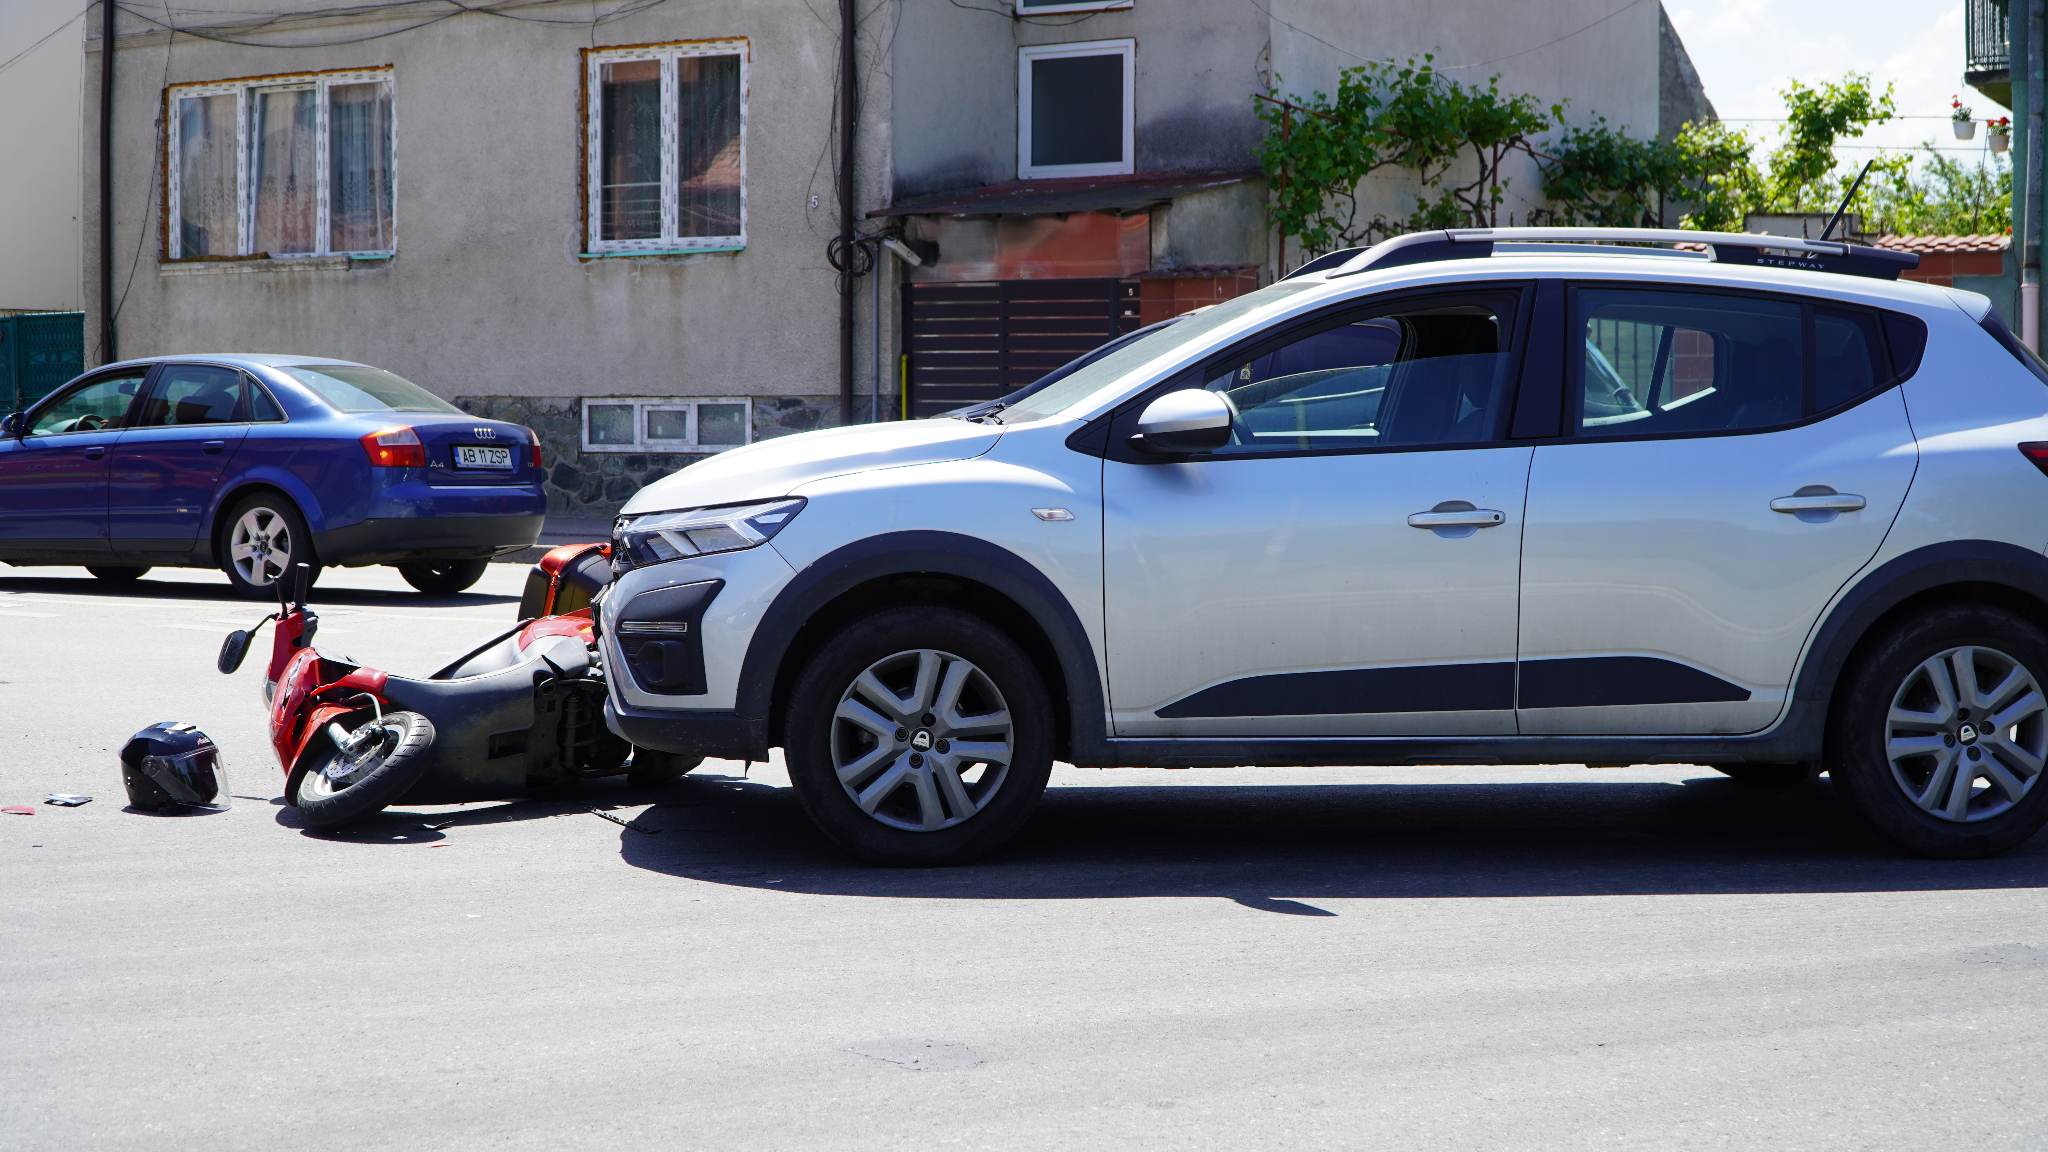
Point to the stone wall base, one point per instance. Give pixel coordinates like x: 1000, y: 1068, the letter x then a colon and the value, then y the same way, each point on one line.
x: 594, y: 485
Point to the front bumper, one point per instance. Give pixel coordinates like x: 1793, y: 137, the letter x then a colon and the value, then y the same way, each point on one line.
x: 713, y: 734
x: 394, y: 539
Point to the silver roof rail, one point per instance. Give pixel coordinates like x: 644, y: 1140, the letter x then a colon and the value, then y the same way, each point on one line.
x: 1726, y: 248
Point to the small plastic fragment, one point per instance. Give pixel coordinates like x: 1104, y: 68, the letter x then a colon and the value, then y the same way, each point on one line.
x: 66, y: 799
x: 18, y: 810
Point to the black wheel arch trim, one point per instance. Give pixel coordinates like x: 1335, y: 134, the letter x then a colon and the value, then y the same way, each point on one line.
x: 1891, y: 584
x: 919, y: 553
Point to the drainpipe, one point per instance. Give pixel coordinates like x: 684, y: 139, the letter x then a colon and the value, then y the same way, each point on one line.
x: 848, y: 92
x: 2031, y: 201
x: 108, y: 354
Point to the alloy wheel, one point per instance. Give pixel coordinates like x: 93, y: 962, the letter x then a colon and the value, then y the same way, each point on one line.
x: 1967, y: 734
x: 922, y: 740
x: 260, y: 546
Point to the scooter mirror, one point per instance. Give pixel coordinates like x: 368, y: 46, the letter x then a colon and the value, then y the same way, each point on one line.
x: 233, y: 651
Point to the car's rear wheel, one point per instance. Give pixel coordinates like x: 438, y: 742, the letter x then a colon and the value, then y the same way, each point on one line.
x: 264, y: 538
x: 919, y: 736
x: 1942, y: 736
x: 116, y: 574
x: 443, y: 577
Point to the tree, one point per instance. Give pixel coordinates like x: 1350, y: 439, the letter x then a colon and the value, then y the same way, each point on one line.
x: 1406, y: 116
x: 1937, y: 196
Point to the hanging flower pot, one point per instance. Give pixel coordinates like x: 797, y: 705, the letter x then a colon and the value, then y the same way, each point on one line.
x: 1999, y: 134
x: 1959, y: 118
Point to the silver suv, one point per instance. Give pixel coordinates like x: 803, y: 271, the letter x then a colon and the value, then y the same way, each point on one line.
x: 1493, y: 496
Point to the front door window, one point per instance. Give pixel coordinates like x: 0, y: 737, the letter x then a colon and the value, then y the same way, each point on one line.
x: 92, y: 407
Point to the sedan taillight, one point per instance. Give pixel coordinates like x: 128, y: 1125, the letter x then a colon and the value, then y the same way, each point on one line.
x: 533, y: 453
x: 397, y: 447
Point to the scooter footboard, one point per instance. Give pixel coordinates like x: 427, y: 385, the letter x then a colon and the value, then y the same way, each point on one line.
x: 484, y: 726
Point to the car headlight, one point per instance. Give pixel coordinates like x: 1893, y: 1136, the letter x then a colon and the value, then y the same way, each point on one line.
x: 658, y: 537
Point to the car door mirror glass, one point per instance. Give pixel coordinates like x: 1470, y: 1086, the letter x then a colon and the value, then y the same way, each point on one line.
x: 1184, y: 422
x: 10, y: 425
x: 233, y: 651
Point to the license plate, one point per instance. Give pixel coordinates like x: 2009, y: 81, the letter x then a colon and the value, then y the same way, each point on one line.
x: 469, y: 456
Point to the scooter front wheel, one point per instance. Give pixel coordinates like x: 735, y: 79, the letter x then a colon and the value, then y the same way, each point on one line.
x: 381, y: 761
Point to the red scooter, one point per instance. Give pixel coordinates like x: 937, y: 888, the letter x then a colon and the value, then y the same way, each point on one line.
x: 524, y: 712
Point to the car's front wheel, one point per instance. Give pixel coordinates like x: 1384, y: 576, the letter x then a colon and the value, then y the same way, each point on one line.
x: 919, y: 736
x: 265, y: 538
x: 1942, y: 734
x: 443, y: 577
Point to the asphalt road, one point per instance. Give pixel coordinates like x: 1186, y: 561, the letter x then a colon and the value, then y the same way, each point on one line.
x: 1545, y: 957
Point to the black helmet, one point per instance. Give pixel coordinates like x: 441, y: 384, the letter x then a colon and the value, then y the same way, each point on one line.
x: 169, y: 765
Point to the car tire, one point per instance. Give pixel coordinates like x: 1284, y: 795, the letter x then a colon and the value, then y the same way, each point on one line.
x: 443, y: 577
x: 650, y: 767
x: 1912, y: 723
x: 285, y: 542
x: 116, y: 575
x: 1768, y: 775
x: 897, y: 756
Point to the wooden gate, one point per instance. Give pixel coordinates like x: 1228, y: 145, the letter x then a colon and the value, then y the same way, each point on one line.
x: 970, y: 342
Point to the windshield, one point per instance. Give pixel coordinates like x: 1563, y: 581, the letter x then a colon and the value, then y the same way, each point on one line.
x: 355, y: 388
x: 1106, y: 371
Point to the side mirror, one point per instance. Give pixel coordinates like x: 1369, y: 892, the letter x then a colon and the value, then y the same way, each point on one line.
x: 233, y: 651
x: 1188, y: 421
x: 10, y: 425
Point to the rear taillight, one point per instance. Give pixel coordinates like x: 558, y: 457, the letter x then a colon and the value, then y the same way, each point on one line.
x: 533, y: 453
x: 2037, y: 451
x: 398, y: 447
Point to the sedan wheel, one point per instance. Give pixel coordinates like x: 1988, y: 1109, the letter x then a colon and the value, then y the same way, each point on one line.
x: 265, y: 537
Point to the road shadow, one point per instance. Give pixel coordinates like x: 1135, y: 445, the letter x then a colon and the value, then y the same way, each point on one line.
x: 1281, y: 848
x: 427, y: 825
x: 149, y: 589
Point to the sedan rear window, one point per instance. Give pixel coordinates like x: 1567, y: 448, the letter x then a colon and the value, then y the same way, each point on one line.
x: 355, y: 388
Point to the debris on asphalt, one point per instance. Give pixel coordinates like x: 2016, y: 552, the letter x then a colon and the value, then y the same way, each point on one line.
x: 629, y: 825
x: 18, y: 810
x: 66, y: 799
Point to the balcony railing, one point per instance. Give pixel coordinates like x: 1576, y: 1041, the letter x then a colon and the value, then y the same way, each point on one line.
x: 1985, y: 46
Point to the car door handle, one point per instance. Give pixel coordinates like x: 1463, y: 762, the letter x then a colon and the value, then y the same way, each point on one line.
x: 1818, y: 498
x: 95, y: 452
x: 214, y: 447
x: 1457, y: 514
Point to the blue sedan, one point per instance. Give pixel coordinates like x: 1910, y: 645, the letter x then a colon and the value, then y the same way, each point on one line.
x: 252, y: 464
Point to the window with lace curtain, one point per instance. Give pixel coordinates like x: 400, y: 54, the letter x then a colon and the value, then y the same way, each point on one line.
x: 281, y: 167
x: 665, y: 148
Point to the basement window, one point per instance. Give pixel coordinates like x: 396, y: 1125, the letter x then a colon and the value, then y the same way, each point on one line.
x: 280, y: 167
x: 665, y: 424
x: 1041, y: 7
x: 1074, y: 109
x: 665, y: 158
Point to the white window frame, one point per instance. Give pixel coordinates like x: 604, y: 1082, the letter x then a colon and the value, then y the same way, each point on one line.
x: 245, y: 204
x: 593, y: 127
x: 1024, y: 9
x: 1026, y: 57
x: 642, y: 404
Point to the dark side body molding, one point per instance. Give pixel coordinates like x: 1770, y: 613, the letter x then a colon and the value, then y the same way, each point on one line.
x: 1797, y: 736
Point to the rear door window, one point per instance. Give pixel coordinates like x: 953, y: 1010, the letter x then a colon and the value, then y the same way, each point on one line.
x: 1661, y: 362
x: 187, y: 394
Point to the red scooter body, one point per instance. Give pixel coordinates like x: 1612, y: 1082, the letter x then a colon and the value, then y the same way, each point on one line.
x: 509, y: 716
